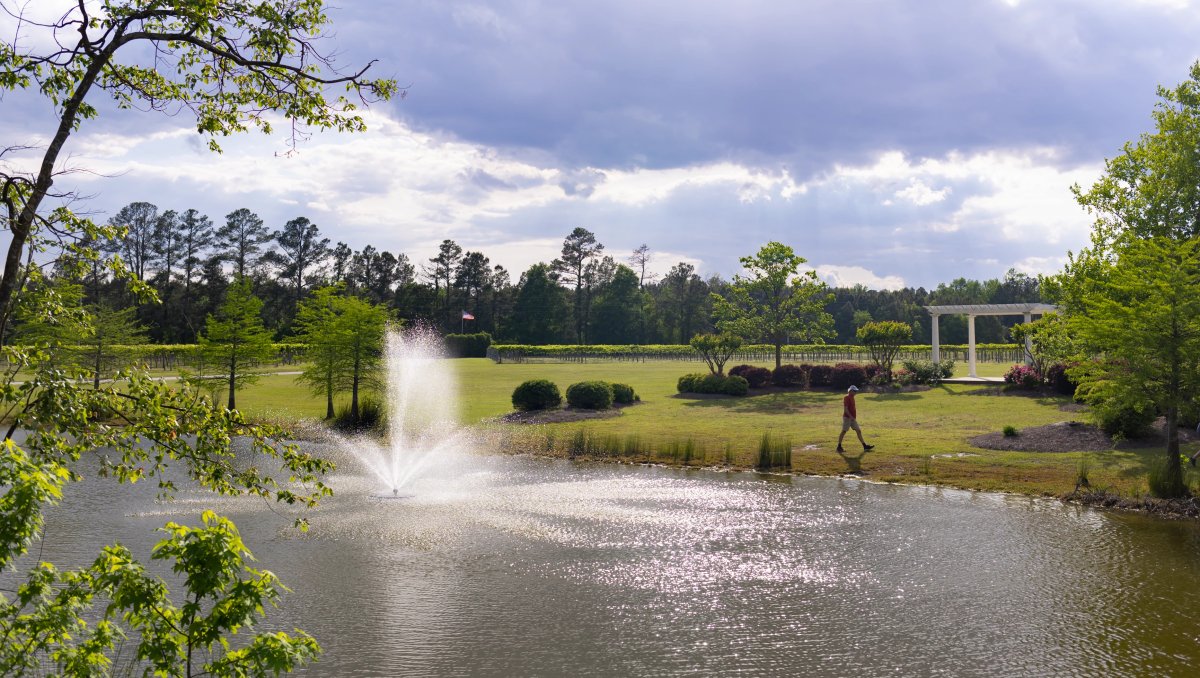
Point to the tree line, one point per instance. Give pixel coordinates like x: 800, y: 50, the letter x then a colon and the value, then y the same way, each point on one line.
x: 585, y: 295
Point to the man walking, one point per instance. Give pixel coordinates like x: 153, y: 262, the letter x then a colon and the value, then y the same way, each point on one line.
x: 850, y: 420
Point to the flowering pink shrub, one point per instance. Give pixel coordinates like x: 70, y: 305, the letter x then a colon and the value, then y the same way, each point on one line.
x: 1023, y: 376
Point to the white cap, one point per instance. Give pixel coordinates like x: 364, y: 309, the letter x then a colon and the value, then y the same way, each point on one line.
x: 852, y: 388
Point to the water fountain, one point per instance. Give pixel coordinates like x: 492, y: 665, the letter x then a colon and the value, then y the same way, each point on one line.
x: 421, y: 401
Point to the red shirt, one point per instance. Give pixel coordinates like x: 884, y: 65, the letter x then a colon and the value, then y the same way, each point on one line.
x: 848, y: 407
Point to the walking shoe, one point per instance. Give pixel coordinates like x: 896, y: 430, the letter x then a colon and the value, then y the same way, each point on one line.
x: 840, y: 448
x: 867, y: 448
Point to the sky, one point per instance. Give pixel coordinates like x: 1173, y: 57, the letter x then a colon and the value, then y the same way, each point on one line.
x: 889, y: 143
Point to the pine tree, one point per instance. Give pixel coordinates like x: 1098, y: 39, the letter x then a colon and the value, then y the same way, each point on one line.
x: 234, y: 338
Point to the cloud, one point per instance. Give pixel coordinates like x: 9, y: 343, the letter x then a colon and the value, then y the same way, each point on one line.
x: 848, y: 276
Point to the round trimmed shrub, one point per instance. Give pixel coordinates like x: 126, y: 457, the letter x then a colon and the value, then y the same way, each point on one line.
x: 1056, y: 376
x: 689, y: 383
x: 590, y: 395
x: 735, y: 386
x: 844, y: 375
x: 1124, y: 421
x: 536, y: 394
x: 789, y: 375
x: 623, y: 394
x: 818, y: 375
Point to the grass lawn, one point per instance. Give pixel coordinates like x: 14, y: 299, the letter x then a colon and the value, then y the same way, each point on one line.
x: 920, y: 437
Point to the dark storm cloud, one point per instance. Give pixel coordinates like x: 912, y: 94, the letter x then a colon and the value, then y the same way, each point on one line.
x: 804, y: 85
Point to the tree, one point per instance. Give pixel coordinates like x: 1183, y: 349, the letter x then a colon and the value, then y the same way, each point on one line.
x: 444, y: 264
x: 1132, y: 298
x: 234, y: 338
x: 883, y: 340
x: 681, y: 298
x: 363, y: 327
x: 540, y: 310
x: 1049, y: 342
x: 578, y: 250
x: 716, y: 349
x: 110, y: 328
x: 342, y: 256
x: 317, y: 327
x: 301, y: 248
x: 640, y: 259
x: 196, y: 235
x: 138, y: 220
x: 774, y: 300
x: 617, y: 314
x: 241, y: 241
x: 472, y: 276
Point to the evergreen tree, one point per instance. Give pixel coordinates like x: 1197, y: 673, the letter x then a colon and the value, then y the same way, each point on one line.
x: 539, y: 313
x: 616, y: 317
x: 234, y: 338
x: 139, y: 220
x: 301, y: 249
x: 318, y: 328
x: 578, y: 250
x: 362, y: 326
x: 196, y: 236
x: 241, y: 241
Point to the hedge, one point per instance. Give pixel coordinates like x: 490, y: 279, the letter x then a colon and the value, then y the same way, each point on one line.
x: 795, y: 353
x: 468, y: 345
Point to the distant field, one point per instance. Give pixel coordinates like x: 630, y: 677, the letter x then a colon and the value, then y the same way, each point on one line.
x: 919, y: 436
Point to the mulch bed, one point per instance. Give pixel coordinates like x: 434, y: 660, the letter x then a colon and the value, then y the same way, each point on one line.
x: 1070, y: 436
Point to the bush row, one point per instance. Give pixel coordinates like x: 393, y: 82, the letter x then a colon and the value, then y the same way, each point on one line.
x: 1025, y: 376
x: 713, y: 383
x: 542, y: 394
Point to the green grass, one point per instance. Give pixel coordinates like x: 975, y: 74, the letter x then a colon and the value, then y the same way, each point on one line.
x: 919, y: 437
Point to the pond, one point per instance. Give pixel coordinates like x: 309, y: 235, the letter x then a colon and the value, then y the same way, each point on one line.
x: 519, y: 566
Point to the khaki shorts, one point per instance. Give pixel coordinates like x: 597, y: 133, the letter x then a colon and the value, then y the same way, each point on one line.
x: 850, y: 423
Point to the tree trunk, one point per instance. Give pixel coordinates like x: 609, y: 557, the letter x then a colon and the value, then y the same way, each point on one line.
x: 232, y: 380
x: 1173, y: 477
x: 354, y: 392
x: 778, y: 354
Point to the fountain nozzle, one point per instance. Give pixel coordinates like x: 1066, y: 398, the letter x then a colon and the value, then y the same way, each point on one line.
x: 395, y: 491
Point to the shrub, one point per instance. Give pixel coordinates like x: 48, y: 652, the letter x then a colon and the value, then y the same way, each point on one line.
x: 468, y: 345
x: 536, y: 394
x: 1057, y: 378
x: 1010, y: 431
x: 789, y: 375
x: 689, y: 383
x: 876, y: 374
x: 735, y: 386
x: 844, y: 375
x: 1122, y: 420
x: 623, y: 394
x: 927, y: 371
x: 756, y: 376
x: 371, y: 417
x: 590, y: 395
x: 818, y: 375
x: 1023, y: 376
x: 713, y: 383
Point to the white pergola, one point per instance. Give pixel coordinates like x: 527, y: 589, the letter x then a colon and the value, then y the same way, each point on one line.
x: 972, y: 310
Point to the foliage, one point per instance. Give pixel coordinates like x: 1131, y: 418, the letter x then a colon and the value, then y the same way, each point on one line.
x: 757, y: 377
x: 773, y: 453
x: 1121, y: 420
x: 883, y: 339
x: 235, y: 340
x: 590, y: 395
x: 774, y: 300
x: 231, y: 65
x: 1010, y: 431
x: 716, y: 349
x: 536, y: 394
x: 845, y: 375
x: 1049, y: 340
x: 1141, y: 321
x: 623, y: 394
x: 540, y: 310
x: 819, y: 375
x: 1059, y: 379
x: 371, y: 416
x: 468, y: 345
x: 713, y: 384
x: 1023, y: 376
x: 926, y: 371
x: 361, y: 329
x: 789, y: 375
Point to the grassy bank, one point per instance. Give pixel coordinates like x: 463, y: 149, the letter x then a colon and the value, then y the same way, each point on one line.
x: 921, y: 437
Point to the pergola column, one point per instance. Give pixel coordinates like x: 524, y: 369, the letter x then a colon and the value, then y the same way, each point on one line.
x: 1028, y: 341
x: 937, y: 346
x: 971, y: 346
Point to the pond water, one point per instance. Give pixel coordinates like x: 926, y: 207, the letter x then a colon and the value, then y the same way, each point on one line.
x: 515, y: 566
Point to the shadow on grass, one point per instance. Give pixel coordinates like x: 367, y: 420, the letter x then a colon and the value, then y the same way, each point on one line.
x: 887, y: 397
x: 853, y: 464
x: 767, y: 403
